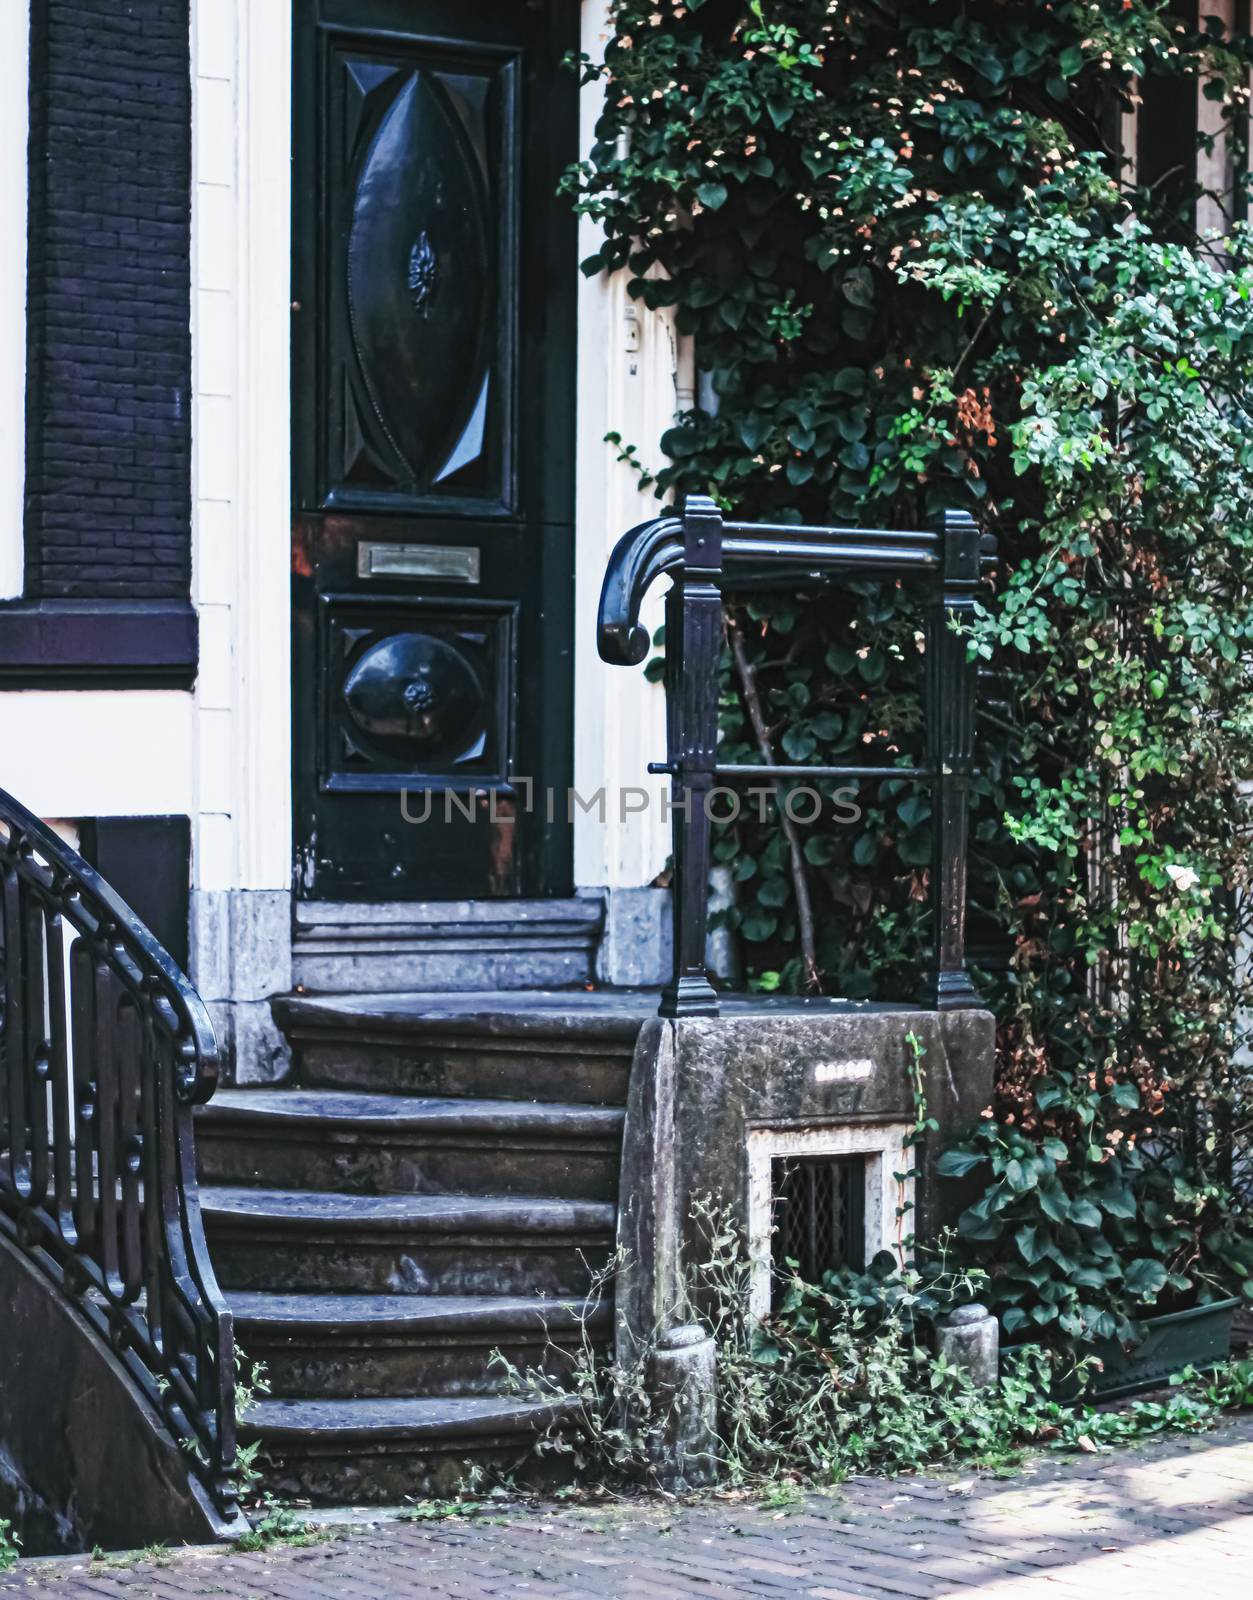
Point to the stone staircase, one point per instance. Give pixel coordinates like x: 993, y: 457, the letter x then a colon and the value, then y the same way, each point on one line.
x: 438, y: 1181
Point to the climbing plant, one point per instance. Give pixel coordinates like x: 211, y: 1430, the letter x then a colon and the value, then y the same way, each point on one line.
x: 920, y: 272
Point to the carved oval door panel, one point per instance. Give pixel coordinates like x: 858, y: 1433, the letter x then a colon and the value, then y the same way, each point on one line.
x: 418, y: 274
x: 421, y: 273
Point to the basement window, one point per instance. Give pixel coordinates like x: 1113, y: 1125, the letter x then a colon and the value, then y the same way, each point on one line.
x: 818, y: 1206
x: 803, y: 1185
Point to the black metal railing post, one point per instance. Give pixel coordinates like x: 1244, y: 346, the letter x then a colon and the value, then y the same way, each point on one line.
x: 950, y: 680
x: 697, y: 550
x: 693, y: 645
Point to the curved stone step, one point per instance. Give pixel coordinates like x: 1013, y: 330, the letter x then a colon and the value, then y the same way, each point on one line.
x: 564, y: 1045
x: 347, y: 1346
x: 299, y: 1239
x: 377, y: 1143
x: 377, y: 1451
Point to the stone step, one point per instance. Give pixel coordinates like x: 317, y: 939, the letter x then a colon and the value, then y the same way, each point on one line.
x: 389, y: 1451
x: 377, y: 1144
x: 301, y: 1240
x: 445, y: 945
x: 366, y: 1346
x: 569, y: 1046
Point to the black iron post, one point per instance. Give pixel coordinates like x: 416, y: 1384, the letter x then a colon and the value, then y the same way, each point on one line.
x: 950, y: 711
x: 693, y: 644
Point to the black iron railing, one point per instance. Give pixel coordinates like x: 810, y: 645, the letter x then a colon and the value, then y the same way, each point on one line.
x: 105, y: 1047
x: 703, y: 556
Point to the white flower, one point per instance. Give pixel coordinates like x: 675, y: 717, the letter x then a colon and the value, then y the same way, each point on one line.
x: 1183, y: 878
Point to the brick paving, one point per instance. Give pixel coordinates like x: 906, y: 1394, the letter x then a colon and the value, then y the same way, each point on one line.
x: 1153, y: 1522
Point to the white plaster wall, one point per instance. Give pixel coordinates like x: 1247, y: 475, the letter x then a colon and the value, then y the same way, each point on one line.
x: 98, y: 752
x: 241, y: 251
x: 619, y: 718
x: 14, y: 127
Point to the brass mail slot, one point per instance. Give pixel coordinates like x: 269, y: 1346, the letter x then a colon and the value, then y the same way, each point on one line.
x: 453, y: 563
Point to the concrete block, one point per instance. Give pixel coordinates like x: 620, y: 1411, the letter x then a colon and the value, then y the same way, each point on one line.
x: 703, y: 1090
x: 683, y: 1443
x: 636, y: 949
x: 970, y: 1338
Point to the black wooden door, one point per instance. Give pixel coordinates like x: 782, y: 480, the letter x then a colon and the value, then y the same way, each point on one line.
x: 433, y: 436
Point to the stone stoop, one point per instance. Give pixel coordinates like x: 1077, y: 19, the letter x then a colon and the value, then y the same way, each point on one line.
x: 438, y: 1181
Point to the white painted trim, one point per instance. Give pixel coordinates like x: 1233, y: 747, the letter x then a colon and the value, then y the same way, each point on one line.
x: 883, y: 1145
x: 619, y: 718
x: 241, y: 231
x: 264, y: 525
x: 98, y: 752
x: 14, y: 134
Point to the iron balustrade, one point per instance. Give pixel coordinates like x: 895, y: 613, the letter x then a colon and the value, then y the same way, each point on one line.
x: 105, y: 1048
x: 703, y: 555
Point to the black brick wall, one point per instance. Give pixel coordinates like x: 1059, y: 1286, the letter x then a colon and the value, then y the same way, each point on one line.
x: 108, y: 477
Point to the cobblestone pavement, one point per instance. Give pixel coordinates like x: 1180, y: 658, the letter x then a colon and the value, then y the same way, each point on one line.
x: 1170, y: 1516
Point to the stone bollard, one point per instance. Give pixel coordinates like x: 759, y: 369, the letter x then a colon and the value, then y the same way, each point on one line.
x: 970, y: 1338
x: 683, y: 1443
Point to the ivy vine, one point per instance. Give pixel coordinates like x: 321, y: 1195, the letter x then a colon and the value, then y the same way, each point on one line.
x: 920, y: 273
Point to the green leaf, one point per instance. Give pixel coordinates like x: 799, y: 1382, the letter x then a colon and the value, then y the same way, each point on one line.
x: 1019, y: 1176
x: 1118, y: 1202
x: 1145, y: 1278
x: 713, y: 196
x: 858, y: 288
x: 1084, y: 1214
x: 799, y: 744
x: 866, y: 850
x: 914, y: 848
x: 957, y: 1163
x: 1071, y: 62
x: 1054, y: 1204
x: 1029, y: 1247
x: 773, y: 892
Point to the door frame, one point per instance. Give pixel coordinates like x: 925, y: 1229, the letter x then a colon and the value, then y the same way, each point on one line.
x: 241, y: 788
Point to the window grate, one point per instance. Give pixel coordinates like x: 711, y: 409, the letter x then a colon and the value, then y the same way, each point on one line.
x: 818, y: 1213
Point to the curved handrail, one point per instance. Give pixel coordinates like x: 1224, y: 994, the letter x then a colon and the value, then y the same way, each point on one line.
x: 640, y: 557
x: 104, y: 1051
x: 652, y: 549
